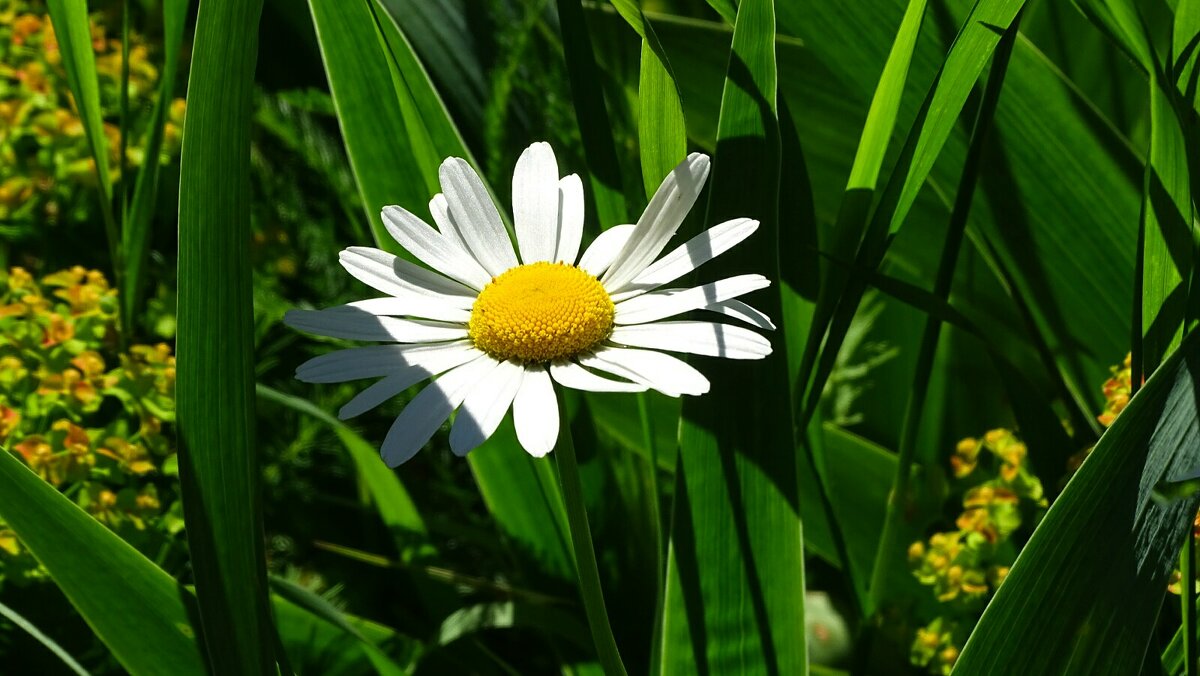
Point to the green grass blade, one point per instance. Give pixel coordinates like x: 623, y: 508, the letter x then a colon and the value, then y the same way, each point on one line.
x: 735, y: 581
x: 1085, y: 591
x: 1165, y: 236
x: 218, y: 463
x: 662, y: 134
x: 391, y: 498
x: 71, y: 27
x: 142, y: 615
x: 891, y: 554
x: 854, y: 212
x: 136, y: 230
x: 368, y: 112
x: 1120, y: 21
x: 595, y: 127
x: 31, y: 629
x: 970, y: 53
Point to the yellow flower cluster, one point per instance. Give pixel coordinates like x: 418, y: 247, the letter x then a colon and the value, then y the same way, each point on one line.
x: 84, y: 416
x: 1117, y: 390
x: 965, y: 565
x: 936, y: 647
x: 44, y: 154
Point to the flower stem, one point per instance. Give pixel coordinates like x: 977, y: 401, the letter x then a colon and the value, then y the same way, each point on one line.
x: 585, y: 554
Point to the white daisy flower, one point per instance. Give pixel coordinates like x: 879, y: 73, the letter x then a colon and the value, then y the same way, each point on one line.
x: 498, y: 330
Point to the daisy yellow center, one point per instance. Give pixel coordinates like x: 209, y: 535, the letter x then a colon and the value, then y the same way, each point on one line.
x: 541, y: 312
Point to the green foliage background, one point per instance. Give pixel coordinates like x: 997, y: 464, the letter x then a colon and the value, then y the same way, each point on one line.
x: 972, y: 210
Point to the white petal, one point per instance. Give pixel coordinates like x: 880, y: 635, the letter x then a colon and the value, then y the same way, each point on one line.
x: 655, y: 305
x: 479, y: 223
x: 374, y: 361
x: 535, y: 413
x: 604, y: 249
x: 393, y: 275
x: 739, y: 310
x: 440, y: 209
x: 427, y: 411
x: 412, y: 306
x: 689, y: 256
x: 706, y: 338
x: 535, y: 203
x: 484, y: 408
x: 570, y: 374
x: 432, y: 248
x: 662, y: 218
x: 662, y: 372
x: 354, y: 324
x: 570, y: 219
x: 404, y: 378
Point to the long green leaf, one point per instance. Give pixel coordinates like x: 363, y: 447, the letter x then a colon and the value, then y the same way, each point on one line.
x: 735, y: 585
x: 74, y: 34
x: 1165, y: 235
x: 136, y: 230
x: 1083, y: 596
x: 218, y: 463
x: 142, y: 615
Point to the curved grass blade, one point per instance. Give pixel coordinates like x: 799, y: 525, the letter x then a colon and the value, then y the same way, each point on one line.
x: 218, y: 462
x: 1083, y: 595
x: 136, y: 230
x: 31, y: 629
x: 662, y: 134
x: 735, y: 579
x: 142, y: 615
x: 74, y: 35
x: 395, y: 505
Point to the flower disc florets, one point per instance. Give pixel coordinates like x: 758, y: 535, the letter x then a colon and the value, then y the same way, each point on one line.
x: 541, y: 312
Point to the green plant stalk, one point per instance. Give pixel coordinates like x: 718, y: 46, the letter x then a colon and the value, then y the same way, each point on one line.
x: 29, y: 628
x: 888, y: 554
x: 1187, y: 565
x: 585, y: 553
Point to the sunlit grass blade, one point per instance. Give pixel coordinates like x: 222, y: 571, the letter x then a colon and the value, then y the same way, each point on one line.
x: 662, y: 134
x: 391, y: 498
x: 368, y: 112
x: 74, y: 36
x: 1084, y: 593
x: 891, y: 554
x: 330, y: 644
x: 29, y: 628
x: 218, y: 459
x: 1165, y: 237
x: 735, y: 584
x: 595, y: 127
x: 144, y: 617
x: 135, y: 230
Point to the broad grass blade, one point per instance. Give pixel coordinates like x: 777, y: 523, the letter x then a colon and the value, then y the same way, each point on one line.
x: 218, y: 462
x: 144, y: 617
x: 735, y: 584
x: 1083, y: 595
